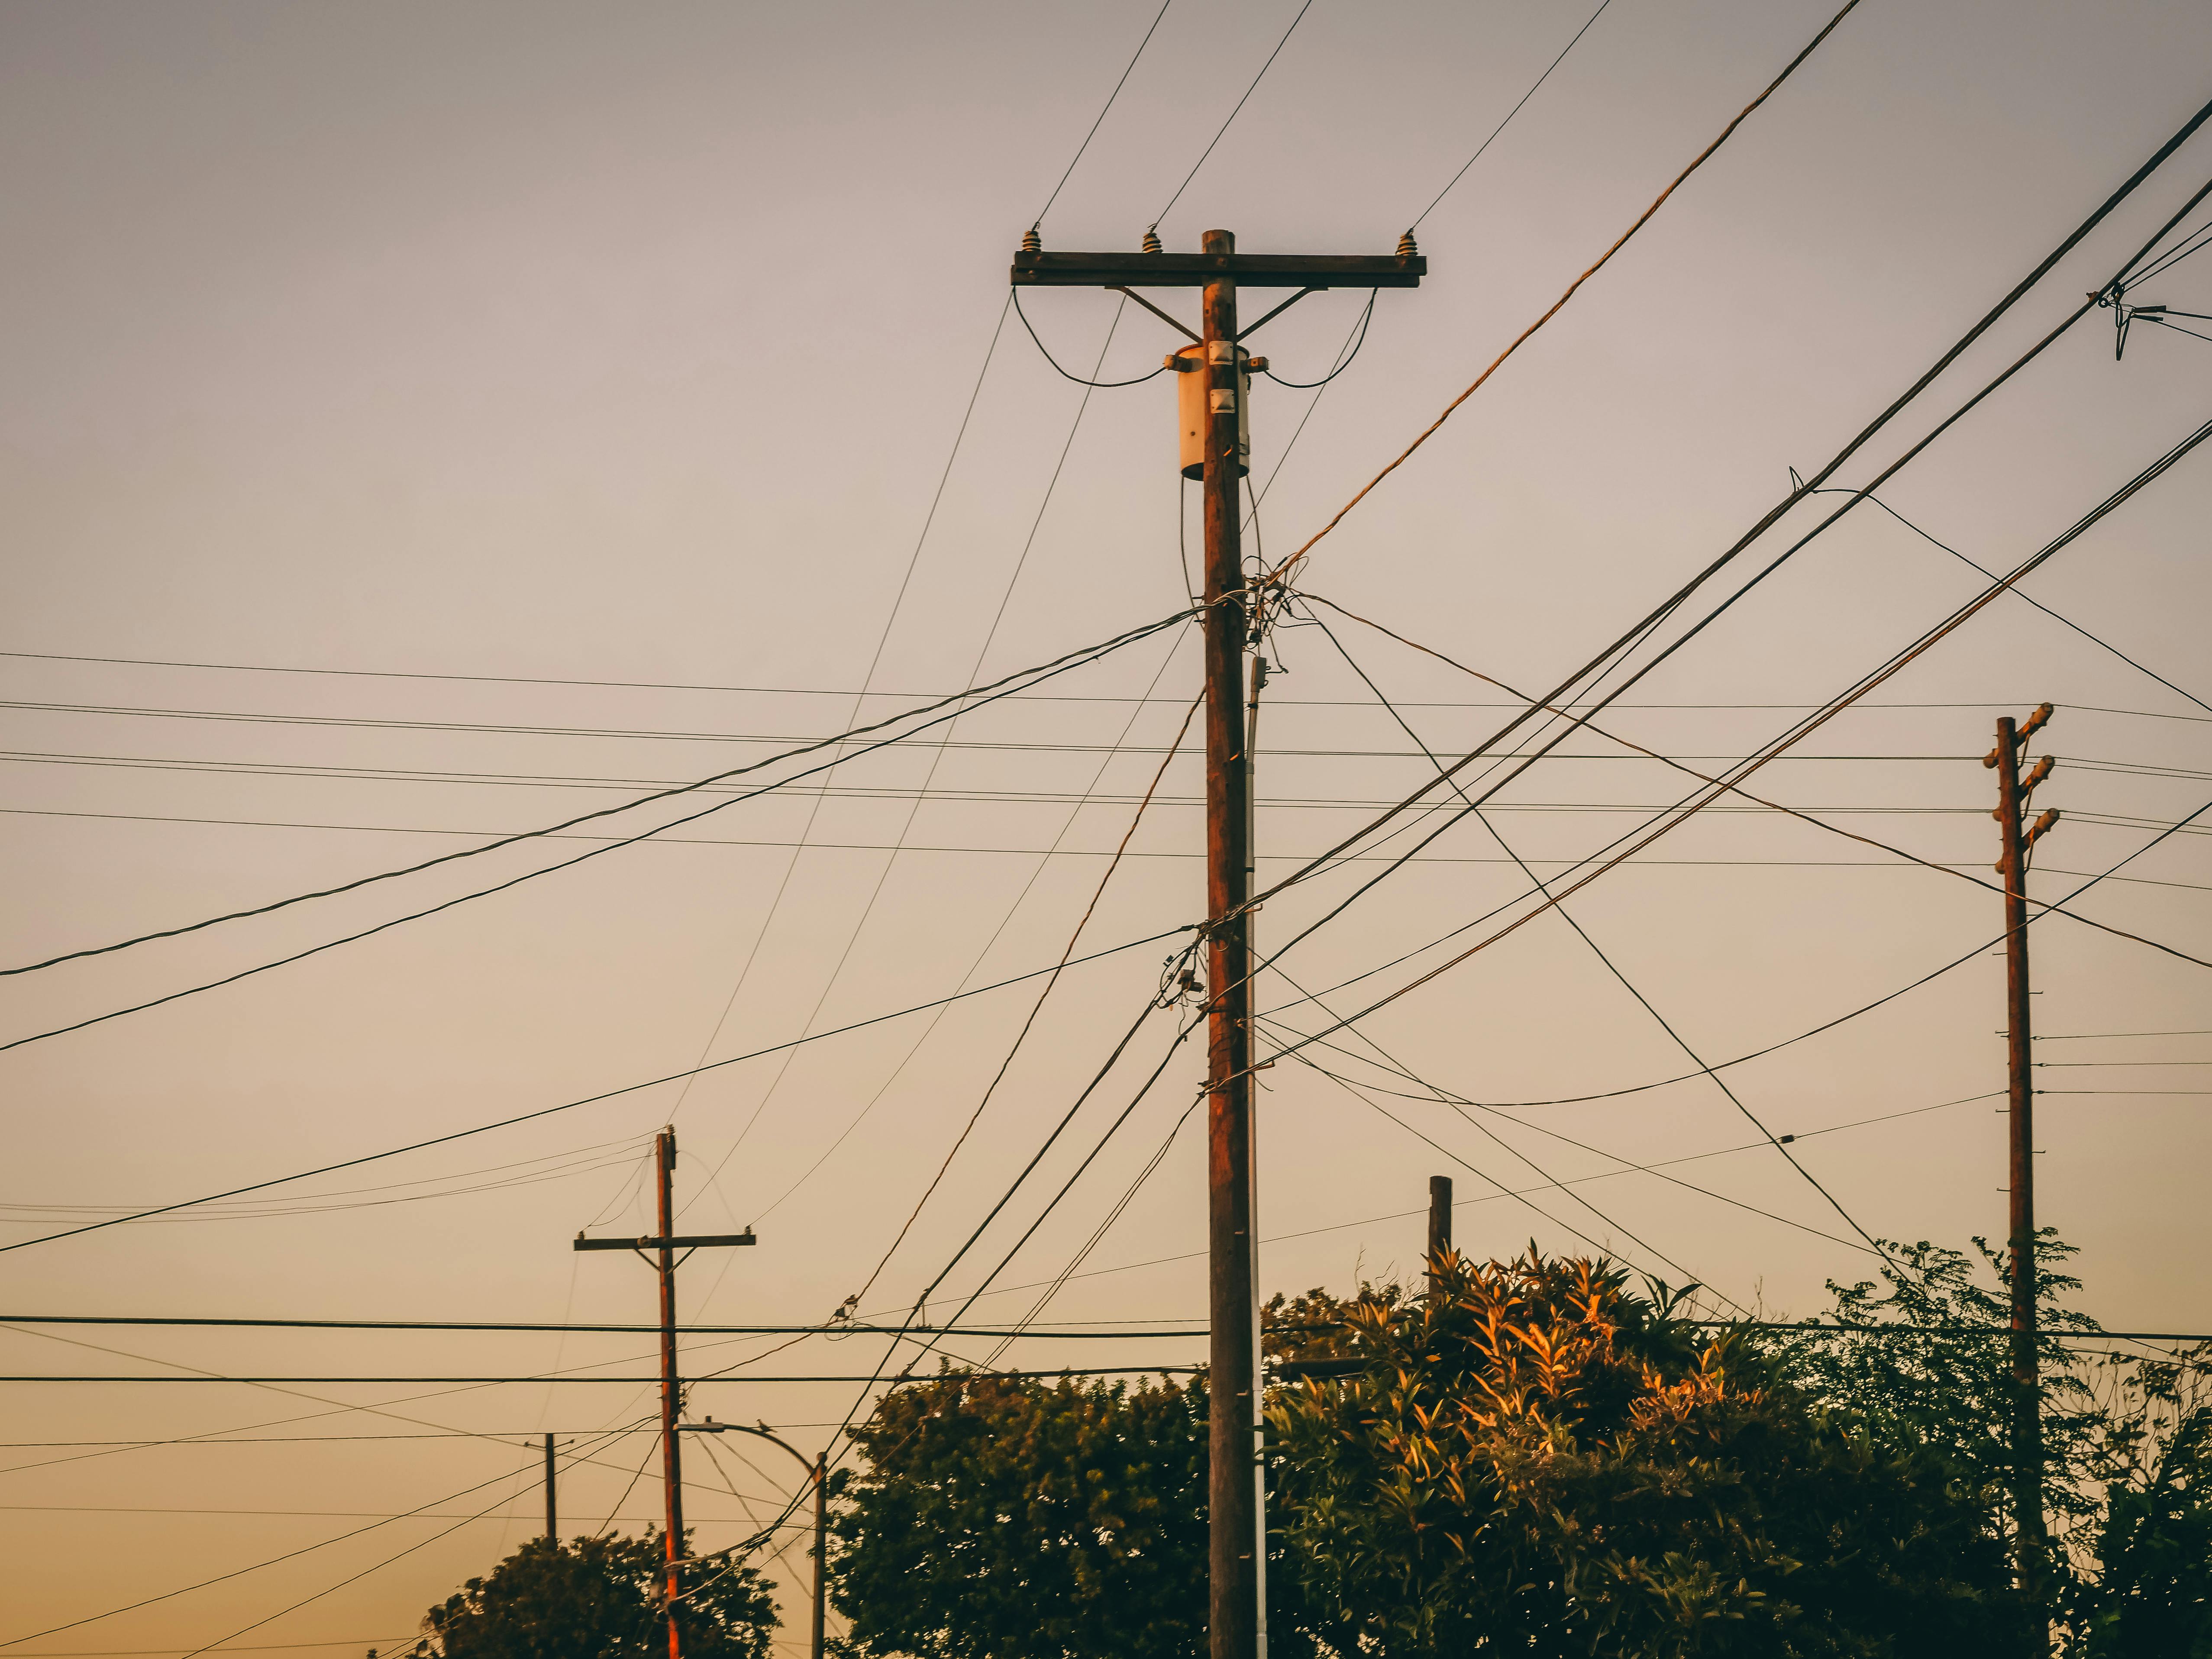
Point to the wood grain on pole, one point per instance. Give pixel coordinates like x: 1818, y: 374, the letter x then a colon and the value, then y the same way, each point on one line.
x: 2027, y: 1413
x: 1232, y: 1509
x: 671, y: 1455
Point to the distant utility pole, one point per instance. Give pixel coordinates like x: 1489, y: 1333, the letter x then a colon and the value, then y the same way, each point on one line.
x: 1214, y: 373
x: 2013, y: 792
x: 552, y: 1513
x: 664, y: 1245
x: 1440, y: 1208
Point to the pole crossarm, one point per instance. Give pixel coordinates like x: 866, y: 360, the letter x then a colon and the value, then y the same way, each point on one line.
x: 1314, y: 271
x: 694, y: 1241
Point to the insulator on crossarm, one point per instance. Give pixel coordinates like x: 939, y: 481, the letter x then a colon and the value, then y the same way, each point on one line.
x: 1152, y: 242
x: 1407, y: 250
x: 1032, y: 242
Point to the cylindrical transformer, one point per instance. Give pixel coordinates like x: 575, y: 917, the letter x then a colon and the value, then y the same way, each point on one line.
x: 1194, y: 407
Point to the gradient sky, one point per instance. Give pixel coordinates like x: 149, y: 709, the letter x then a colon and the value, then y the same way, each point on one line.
x: 557, y: 343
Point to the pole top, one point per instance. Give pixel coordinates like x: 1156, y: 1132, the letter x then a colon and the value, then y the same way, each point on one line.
x: 1218, y: 241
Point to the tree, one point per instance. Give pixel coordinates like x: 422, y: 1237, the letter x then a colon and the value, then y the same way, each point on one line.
x: 2127, y: 1438
x: 1538, y: 1460
x: 598, y: 1598
x: 1002, y: 1518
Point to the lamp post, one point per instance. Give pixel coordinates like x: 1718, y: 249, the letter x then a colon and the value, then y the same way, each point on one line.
x: 818, y: 1468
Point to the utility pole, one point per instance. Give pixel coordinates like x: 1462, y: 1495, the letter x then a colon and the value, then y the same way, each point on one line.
x: 818, y: 1470
x: 552, y: 1516
x: 1220, y: 369
x: 1440, y: 1209
x: 664, y: 1245
x: 2013, y: 792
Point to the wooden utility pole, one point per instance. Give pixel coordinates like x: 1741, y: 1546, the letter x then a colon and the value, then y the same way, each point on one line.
x: 552, y: 1517
x: 1440, y: 1209
x: 664, y: 1245
x: 1236, y: 1530
x: 2012, y: 791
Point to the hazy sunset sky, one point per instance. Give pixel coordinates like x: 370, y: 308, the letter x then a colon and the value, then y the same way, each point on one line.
x: 420, y: 422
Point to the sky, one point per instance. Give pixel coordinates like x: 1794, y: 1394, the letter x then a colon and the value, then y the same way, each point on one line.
x: 420, y: 424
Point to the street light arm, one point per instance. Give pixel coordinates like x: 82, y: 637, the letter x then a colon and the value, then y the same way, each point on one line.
x: 710, y: 1427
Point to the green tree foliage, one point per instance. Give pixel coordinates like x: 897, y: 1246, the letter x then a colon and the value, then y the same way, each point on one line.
x: 2127, y: 1438
x: 1538, y: 1460
x: 598, y: 1598
x: 2152, y: 1592
x: 1001, y: 1518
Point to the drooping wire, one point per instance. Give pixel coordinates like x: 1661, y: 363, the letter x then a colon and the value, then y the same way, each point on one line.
x: 914, y: 809
x: 1509, y: 114
x: 859, y: 700
x: 571, y: 1105
x: 1611, y: 967
x: 1343, y: 358
x: 977, y: 695
x: 1674, y: 816
x: 1037, y: 1008
x: 1069, y: 374
x: 1088, y: 654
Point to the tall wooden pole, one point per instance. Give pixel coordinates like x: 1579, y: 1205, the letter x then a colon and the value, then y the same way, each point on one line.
x: 552, y: 1515
x: 671, y: 1457
x: 1233, y: 1622
x: 2027, y: 1413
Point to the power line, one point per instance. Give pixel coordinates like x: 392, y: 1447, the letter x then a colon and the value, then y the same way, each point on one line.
x: 1068, y: 172
x: 571, y: 1105
x: 1611, y: 967
x: 1058, y: 665
x: 416, y: 916
x: 1866, y: 1008
x: 1674, y: 816
x: 2094, y: 639
x: 1615, y: 653
x: 166, y: 1595
x: 818, y: 691
x: 883, y: 876
x: 834, y: 1327
x: 1284, y: 569
x: 688, y: 1383
x: 1509, y: 114
x: 1216, y: 137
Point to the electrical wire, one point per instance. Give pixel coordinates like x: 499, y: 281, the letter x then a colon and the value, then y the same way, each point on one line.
x: 166, y: 1595
x: 1095, y: 386
x: 1069, y: 170
x: 1865, y: 1008
x: 431, y: 910
x: 1283, y: 570
x: 1681, y: 813
x: 1344, y: 357
x: 1216, y: 137
x: 1035, y: 1009
x: 2102, y: 644
x: 1611, y: 967
x: 817, y: 691
x: 1615, y: 653
x: 571, y: 1105
x: 1509, y: 114
x: 976, y: 696
x: 883, y: 876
